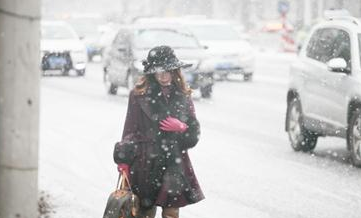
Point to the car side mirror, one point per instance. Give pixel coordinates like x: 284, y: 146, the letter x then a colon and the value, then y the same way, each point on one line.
x: 81, y: 37
x: 205, y: 47
x: 338, y: 65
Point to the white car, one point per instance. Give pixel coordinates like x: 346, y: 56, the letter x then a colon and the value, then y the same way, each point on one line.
x: 228, y: 52
x: 324, y: 96
x: 61, y: 49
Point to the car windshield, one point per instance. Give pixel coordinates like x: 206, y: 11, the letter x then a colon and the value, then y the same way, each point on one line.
x: 146, y: 39
x: 57, y: 32
x: 214, y: 32
x: 87, y: 27
x: 359, y: 46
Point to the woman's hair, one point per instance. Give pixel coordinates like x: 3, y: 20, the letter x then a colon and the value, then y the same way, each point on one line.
x: 147, y: 80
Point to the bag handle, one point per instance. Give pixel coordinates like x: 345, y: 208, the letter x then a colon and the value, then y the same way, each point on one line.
x: 122, y: 180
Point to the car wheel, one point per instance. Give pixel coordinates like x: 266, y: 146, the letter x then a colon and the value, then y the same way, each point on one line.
x: 113, y: 89
x: 105, y: 74
x: 206, y: 91
x: 130, y: 81
x: 80, y: 72
x: 354, y: 137
x: 65, y: 72
x: 301, y: 139
x: 110, y: 87
x: 247, y: 77
x: 223, y: 77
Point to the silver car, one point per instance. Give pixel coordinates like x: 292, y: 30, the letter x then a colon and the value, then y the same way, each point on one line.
x: 324, y: 96
x: 122, y: 59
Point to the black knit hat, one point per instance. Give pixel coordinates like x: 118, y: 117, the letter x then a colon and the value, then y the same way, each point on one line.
x: 161, y: 59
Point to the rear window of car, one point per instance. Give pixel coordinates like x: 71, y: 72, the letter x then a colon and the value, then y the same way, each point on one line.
x: 55, y: 32
x: 148, y: 38
x: 214, y: 32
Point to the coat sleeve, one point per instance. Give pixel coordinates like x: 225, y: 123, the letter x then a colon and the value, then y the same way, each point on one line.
x: 190, y: 137
x: 125, y: 150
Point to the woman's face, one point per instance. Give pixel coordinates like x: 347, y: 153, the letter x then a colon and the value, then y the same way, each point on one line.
x: 164, y: 78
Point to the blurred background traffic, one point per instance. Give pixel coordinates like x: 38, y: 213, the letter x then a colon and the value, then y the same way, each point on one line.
x: 220, y: 38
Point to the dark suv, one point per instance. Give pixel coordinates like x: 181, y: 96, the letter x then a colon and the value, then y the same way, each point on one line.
x: 123, y: 58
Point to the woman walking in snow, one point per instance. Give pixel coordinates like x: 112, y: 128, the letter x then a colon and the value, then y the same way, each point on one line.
x: 160, y: 127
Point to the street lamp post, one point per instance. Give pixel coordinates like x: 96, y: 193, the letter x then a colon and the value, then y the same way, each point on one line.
x: 307, y: 12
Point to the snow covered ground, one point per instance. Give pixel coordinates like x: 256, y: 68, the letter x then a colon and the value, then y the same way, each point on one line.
x: 243, y: 161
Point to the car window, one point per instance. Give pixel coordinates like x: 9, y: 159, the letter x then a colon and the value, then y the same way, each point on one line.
x: 214, y: 32
x: 320, y: 47
x: 120, y: 40
x: 329, y: 43
x: 57, y: 32
x: 148, y: 38
x: 325, y: 44
x: 342, y: 47
x: 312, y: 47
x: 87, y: 26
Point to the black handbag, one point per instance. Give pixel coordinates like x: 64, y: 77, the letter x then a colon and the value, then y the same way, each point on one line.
x: 122, y: 203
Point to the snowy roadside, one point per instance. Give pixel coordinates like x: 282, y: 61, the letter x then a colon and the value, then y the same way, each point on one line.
x: 79, y: 125
x: 243, y: 160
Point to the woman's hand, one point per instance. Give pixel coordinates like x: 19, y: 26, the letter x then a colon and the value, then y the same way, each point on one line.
x: 123, y: 168
x: 172, y: 124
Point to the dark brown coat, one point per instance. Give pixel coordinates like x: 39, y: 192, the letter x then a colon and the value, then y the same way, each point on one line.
x: 161, y: 172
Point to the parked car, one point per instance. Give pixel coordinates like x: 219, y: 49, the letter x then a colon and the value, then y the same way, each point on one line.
x: 324, y: 96
x: 89, y: 28
x: 122, y: 59
x: 229, y: 51
x: 61, y: 49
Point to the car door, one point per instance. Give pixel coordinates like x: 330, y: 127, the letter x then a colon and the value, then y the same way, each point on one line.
x: 327, y: 90
x: 338, y: 83
x: 118, y: 63
x: 313, y: 75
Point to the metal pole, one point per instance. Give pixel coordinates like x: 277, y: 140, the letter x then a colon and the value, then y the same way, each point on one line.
x: 320, y: 8
x: 19, y: 107
x: 215, y: 9
x: 307, y: 14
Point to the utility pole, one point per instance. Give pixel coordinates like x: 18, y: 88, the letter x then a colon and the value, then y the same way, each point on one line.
x: 339, y: 4
x: 216, y: 8
x: 320, y: 7
x: 246, y: 13
x: 19, y: 107
x: 307, y: 13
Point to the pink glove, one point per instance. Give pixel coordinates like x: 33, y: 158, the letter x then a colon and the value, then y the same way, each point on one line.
x: 124, y: 168
x: 172, y: 124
